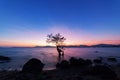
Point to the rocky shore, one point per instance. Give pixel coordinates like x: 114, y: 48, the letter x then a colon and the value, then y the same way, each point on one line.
x: 74, y: 69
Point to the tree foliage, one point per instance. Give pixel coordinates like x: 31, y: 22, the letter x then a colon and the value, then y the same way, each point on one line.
x: 57, y: 39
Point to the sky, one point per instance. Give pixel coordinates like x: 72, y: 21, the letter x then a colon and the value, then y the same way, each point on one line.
x: 27, y: 22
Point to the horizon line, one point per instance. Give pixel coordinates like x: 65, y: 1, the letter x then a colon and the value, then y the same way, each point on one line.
x: 62, y: 45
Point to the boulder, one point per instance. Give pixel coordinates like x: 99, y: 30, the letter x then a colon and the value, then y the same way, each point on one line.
x: 58, y: 65
x: 74, y: 62
x: 82, y: 62
x: 105, y: 72
x: 34, y: 66
x: 112, y: 59
x: 79, y: 62
x: 98, y: 61
x: 4, y: 58
x: 64, y: 64
x: 88, y: 62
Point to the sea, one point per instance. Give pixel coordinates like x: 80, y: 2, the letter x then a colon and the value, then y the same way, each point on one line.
x: 49, y: 56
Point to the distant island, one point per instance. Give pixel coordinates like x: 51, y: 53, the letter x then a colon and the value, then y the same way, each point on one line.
x: 82, y: 46
x: 72, y: 46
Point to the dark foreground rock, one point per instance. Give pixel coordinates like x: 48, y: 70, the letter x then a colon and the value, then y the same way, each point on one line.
x: 79, y: 62
x: 63, y: 65
x: 88, y: 62
x: 34, y: 66
x: 75, y: 62
x: 98, y: 61
x: 105, y: 72
x: 112, y: 59
x: 94, y: 73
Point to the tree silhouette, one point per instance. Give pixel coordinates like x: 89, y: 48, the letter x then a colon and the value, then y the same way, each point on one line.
x: 58, y: 40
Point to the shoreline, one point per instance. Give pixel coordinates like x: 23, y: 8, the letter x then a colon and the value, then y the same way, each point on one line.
x: 56, y: 74
x: 104, y: 61
x: 72, y: 73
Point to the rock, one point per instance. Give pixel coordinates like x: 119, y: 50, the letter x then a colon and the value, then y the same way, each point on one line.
x: 105, y: 72
x: 88, y: 62
x: 34, y: 66
x: 79, y: 78
x: 58, y: 65
x: 96, y: 51
x: 27, y: 76
x: 74, y: 62
x: 111, y: 59
x: 64, y: 64
x: 4, y: 58
x: 79, y: 62
x: 82, y: 62
x: 99, y: 61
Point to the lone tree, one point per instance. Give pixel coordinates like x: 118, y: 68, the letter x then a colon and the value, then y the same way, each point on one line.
x: 58, y: 40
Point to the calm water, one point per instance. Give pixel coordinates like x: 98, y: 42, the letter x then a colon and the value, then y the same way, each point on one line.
x: 49, y: 56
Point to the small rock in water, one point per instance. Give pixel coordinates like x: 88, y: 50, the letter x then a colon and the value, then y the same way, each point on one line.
x: 96, y: 51
x: 4, y: 58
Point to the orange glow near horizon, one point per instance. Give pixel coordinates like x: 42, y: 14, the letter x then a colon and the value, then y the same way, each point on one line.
x: 31, y: 38
x: 67, y: 43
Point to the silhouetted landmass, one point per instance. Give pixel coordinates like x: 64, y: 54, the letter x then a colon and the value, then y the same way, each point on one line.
x: 82, y: 46
x: 86, y: 46
x: 105, y: 45
x: 98, y: 45
x: 72, y: 46
x: 44, y: 47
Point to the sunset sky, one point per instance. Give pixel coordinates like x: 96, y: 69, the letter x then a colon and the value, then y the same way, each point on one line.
x: 27, y: 22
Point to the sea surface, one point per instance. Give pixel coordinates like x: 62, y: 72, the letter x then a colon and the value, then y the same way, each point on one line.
x: 49, y: 56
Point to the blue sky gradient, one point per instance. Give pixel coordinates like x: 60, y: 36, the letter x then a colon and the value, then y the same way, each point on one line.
x: 80, y: 21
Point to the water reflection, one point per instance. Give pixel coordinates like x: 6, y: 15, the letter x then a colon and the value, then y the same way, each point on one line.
x: 50, y: 57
